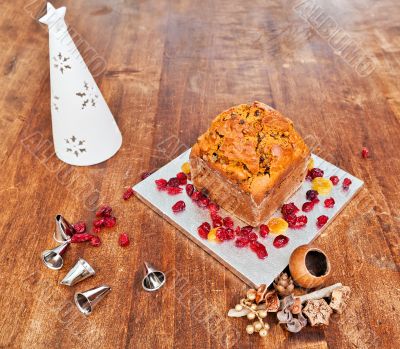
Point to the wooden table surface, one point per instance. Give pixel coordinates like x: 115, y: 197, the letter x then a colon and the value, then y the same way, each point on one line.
x: 166, y: 68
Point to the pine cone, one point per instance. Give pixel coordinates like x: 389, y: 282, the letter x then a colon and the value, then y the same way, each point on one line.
x: 283, y: 284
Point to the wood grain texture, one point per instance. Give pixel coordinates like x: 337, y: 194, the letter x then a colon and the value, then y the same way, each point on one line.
x: 169, y: 68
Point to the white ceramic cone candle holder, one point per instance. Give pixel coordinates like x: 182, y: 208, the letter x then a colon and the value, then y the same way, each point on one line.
x: 84, y: 130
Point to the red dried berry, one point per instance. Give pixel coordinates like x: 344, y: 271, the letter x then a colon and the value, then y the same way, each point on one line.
x: 238, y: 231
x: 316, y: 172
x: 246, y: 230
x: 280, y: 241
x: 128, y: 193
x: 96, y: 230
x: 79, y: 227
x: 259, y: 249
x: 364, y: 152
x: 182, y: 178
x: 311, y: 195
x: 228, y: 222
x: 123, y: 240
x: 216, y: 220
x: 213, y: 207
x: 264, y: 230
x: 173, y: 182
x: 103, y: 211
x: 291, y: 219
x: 289, y: 208
x: 307, y: 206
x: 174, y: 190
x: 221, y: 234
x: 81, y: 237
x: 204, y: 229
x: 346, y: 183
x: 110, y: 222
x: 189, y: 189
x: 315, y: 201
x: 203, y: 202
x: 179, y: 206
x: 253, y: 236
x: 308, y: 176
x: 334, y: 179
x: 329, y: 203
x: 242, y: 241
x: 230, y: 234
x: 146, y: 174
x: 321, y: 221
x: 95, y: 241
x: 98, y: 223
x: 196, y: 196
x: 301, y: 222
x: 161, y: 183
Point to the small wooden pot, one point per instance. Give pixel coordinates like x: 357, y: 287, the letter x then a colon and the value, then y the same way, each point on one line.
x: 309, y: 266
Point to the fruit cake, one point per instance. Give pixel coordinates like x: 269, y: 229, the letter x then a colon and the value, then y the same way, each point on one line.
x: 249, y: 161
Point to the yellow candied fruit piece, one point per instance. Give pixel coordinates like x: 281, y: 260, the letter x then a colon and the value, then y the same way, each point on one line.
x: 277, y: 225
x: 212, y: 235
x: 185, y: 168
x: 322, y: 185
x: 310, y: 165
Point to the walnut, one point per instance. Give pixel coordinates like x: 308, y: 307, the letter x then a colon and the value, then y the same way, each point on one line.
x: 318, y: 312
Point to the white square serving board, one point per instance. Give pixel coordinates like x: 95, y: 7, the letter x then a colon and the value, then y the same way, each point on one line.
x: 242, y: 261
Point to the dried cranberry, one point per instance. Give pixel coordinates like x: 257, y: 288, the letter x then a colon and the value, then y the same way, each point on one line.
x: 96, y: 230
x: 173, y: 182
x: 364, y: 152
x: 315, y: 201
x: 103, y: 211
x: 238, y: 231
x: 213, y: 207
x: 196, y: 196
x: 230, y: 234
x: 179, y: 206
x: 334, y: 179
x: 161, y: 183
x: 311, y: 195
x: 281, y: 241
x: 221, y: 234
x: 123, y: 240
x: 264, y: 230
x: 216, y: 220
x: 128, y: 193
x: 289, y: 208
x: 301, y: 221
x: 203, y: 202
x: 81, y: 237
x: 174, y: 190
x: 308, y: 176
x: 79, y: 227
x: 146, y: 174
x: 109, y: 222
x: 346, y: 183
x: 95, y: 241
x: 189, y: 189
x: 316, y: 172
x: 307, y: 206
x: 228, y: 222
x: 246, y: 230
x: 204, y: 229
x: 253, y: 236
x: 291, y: 219
x: 242, y: 241
x: 182, y: 178
x: 98, y: 223
x: 259, y: 249
x: 329, y: 203
x: 321, y: 221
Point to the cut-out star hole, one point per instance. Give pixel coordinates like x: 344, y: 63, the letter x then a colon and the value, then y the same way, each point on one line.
x: 61, y: 62
x: 75, y: 146
x: 88, y: 95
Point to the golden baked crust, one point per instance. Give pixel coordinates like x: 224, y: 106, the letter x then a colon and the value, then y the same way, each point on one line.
x: 254, y: 147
